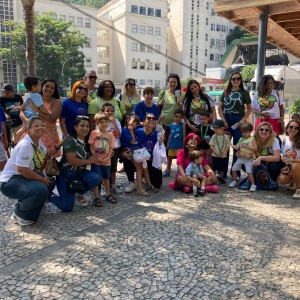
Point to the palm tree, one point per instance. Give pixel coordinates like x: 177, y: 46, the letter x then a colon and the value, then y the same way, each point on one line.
x: 28, y: 8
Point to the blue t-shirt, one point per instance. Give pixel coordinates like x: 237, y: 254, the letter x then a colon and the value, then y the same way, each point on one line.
x: 141, y: 109
x: 176, y: 136
x: 2, y: 118
x: 70, y: 110
x: 126, y: 138
x: 147, y: 141
x: 37, y: 101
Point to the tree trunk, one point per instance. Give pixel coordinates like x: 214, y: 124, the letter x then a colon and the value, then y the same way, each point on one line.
x: 28, y: 8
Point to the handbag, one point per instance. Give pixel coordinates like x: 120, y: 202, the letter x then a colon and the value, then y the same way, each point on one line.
x: 286, y: 169
x: 52, y: 167
x: 75, y: 185
x: 141, y: 155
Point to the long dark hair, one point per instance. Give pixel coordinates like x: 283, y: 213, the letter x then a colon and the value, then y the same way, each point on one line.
x: 55, y: 93
x: 172, y: 75
x: 101, y: 87
x: 229, y: 85
x: 261, y: 88
x: 296, y: 142
x: 76, y: 123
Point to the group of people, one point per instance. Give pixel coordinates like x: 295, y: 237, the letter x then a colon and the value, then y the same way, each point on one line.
x: 101, y: 129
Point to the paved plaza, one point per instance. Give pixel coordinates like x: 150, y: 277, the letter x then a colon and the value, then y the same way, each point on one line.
x: 230, y: 245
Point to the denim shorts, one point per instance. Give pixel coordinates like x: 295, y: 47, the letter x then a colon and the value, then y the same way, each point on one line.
x: 103, y: 171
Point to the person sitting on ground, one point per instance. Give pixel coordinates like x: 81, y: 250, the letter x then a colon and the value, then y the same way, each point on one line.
x: 247, y: 147
x: 195, y: 173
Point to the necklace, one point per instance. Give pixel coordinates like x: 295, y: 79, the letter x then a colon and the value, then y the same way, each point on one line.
x: 201, y: 132
x: 222, y: 146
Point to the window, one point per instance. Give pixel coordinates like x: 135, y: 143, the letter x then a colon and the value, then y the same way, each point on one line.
x: 54, y: 17
x: 207, y: 5
x: 150, y: 65
x: 206, y: 37
x: 134, y: 9
x: 134, y: 64
x: 71, y: 18
x: 103, y: 68
x: 223, y: 28
x: 150, y: 11
x: 87, y: 22
x: 222, y: 43
x: 158, y: 13
x: 150, y: 81
x: 211, y: 57
x: 205, y: 66
x: 142, y: 48
x: 205, y: 52
x: 217, y: 42
x: 142, y: 10
x: 157, y: 82
x: 217, y: 57
x: 157, y: 66
x: 79, y: 22
x: 103, y: 51
x: 134, y: 47
x: 134, y: 28
x: 88, y: 43
x: 63, y: 18
x: 197, y: 50
x: 150, y: 30
x: 142, y: 81
x: 103, y: 34
x: 157, y: 31
x: 142, y: 29
x: 218, y: 27
x: 149, y: 49
x: 157, y: 47
x: 212, y: 27
x: 197, y: 35
x: 88, y: 62
x: 206, y: 21
x: 212, y: 42
x: 142, y: 65
x: 212, y: 12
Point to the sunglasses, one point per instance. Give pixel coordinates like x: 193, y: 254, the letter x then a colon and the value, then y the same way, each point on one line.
x: 150, y: 118
x: 83, y: 117
x: 293, y: 127
x: 131, y: 84
x: 236, y: 78
x: 81, y: 88
x: 93, y: 77
x: 264, y: 129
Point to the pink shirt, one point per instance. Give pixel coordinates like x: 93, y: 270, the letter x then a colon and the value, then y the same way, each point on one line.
x: 184, y: 161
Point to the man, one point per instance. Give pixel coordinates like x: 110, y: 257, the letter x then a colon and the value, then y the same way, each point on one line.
x: 90, y: 80
x: 8, y: 102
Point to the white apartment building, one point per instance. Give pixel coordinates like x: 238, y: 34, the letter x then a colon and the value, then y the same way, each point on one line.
x: 120, y: 57
x: 84, y: 24
x: 196, y: 36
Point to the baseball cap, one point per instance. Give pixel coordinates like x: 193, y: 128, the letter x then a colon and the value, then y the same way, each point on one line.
x: 218, y: 123
x: 192, y: 136
x: 7, y: 87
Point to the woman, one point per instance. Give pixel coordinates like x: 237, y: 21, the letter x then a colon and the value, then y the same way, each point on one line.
x: 105, y: 94
x: 268, y: 149
x: 291, y: 157
x: 196, y: 102
x: 75, y: 158
x: 21, y: 178
x: 268, y: 105
x: 72, y: 107
x: 235, y: 107
x: 146, y: 137
x: 190, y: 144
x: 129, y: 95
x: 52, y: 102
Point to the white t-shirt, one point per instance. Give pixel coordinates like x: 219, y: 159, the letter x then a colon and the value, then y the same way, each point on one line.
x: 21, y: 156
x: 111, y: 129
x: 287, y: 146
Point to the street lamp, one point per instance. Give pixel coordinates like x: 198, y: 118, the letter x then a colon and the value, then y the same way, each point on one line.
x: 62, y: 70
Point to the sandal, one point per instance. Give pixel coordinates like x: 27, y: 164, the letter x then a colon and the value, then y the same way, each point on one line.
x: 82, y: 201
x: 97, y: 202
x: 152, y: 189
x: 143, y: 193
x: 111, y: 199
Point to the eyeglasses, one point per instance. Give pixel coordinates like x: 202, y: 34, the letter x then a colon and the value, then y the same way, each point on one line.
x: 236, y: 78
x: 150, y: 118
x: 293, y: 127
x: 264, y: 129
x: 93, y: 77
x: 81, y: 88
x: 83, y: 117
x: 131, y: 84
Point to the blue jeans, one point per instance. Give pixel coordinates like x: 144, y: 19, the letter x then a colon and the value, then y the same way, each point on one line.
x: 65, y: 201
x: 31, y: 195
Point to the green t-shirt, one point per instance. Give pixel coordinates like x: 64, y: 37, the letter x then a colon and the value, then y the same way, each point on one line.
x: 234, y: 102
x: 96, y: 105
x: 169, y: 106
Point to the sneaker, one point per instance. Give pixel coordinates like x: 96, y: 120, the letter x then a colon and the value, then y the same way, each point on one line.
x: 221, y: 180
x: 116, y: 189
x: 195, y: 193
x: 212, y: 188
x: 297, y: 194
x: 187, y: 189
x: 201, y: 192
x: 130, y: 187
x: 167, y: 173
x: 290, y: 186
x: 81, y: 201
x: 21, y: 221
x: 232, y: 184
x: 253, y: 188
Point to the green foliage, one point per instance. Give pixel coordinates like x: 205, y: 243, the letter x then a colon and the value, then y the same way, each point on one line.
x: 238, y: 33
x: 248, y: 73
x: 94, y: 3
x: 184, y: 81
x: 55, y: 42
x: 295, y: 107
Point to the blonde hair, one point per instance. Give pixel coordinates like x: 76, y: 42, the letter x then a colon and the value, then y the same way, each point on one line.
x: 268, y: 143
x: 125, y: 99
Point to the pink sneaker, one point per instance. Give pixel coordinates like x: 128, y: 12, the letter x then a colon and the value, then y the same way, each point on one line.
x: 173, y: 185
x: 212, y: 188
x: 187, y: 189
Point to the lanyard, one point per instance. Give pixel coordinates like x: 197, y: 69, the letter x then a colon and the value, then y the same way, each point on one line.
x: 201, y: 132
x: 218, y: 145
x: 102, y: 141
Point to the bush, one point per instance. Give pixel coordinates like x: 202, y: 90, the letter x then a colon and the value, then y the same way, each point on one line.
x: 295, y: 107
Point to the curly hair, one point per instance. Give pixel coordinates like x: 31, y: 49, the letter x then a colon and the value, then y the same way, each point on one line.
x: 101, y: 87
x: 261, y: 88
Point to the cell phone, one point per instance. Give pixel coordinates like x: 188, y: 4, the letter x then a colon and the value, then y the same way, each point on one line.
x: 177, y: 93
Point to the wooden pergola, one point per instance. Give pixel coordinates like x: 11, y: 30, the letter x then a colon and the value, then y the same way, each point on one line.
x: 283, y: 29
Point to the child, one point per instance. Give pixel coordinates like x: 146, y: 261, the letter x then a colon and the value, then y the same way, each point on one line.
x: 130, y: 142
x: 246, y: 147
x: 220, y: 145
x: 114, y: 127
x: 33, y: 103
x: 102, y: 144
x: 205, y: 132
x: 195, y: 173
x: 176, y: 139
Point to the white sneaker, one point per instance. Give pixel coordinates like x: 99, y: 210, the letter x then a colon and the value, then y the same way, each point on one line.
x: 252, y: 188
x: 232, y: 184
x: 21, y: 221
x: 116, y: 189
x: 297, y: 194
x: 130, y: 187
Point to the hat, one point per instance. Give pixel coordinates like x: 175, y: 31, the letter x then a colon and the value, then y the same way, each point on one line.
x: 192, y: 136
x: 218, y: 124
x: 7, y: 87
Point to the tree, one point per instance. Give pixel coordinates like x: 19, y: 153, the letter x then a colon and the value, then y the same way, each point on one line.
x: 28, y: 8
x: 56, y: 42
x: 95, y: 3
x: 238, y: 33
x: 248, y: 73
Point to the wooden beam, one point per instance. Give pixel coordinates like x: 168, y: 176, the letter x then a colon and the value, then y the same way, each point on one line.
x: 294, y: 30
x: 287, y: 25
x: 285, y: 17
x: 286, y: 7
